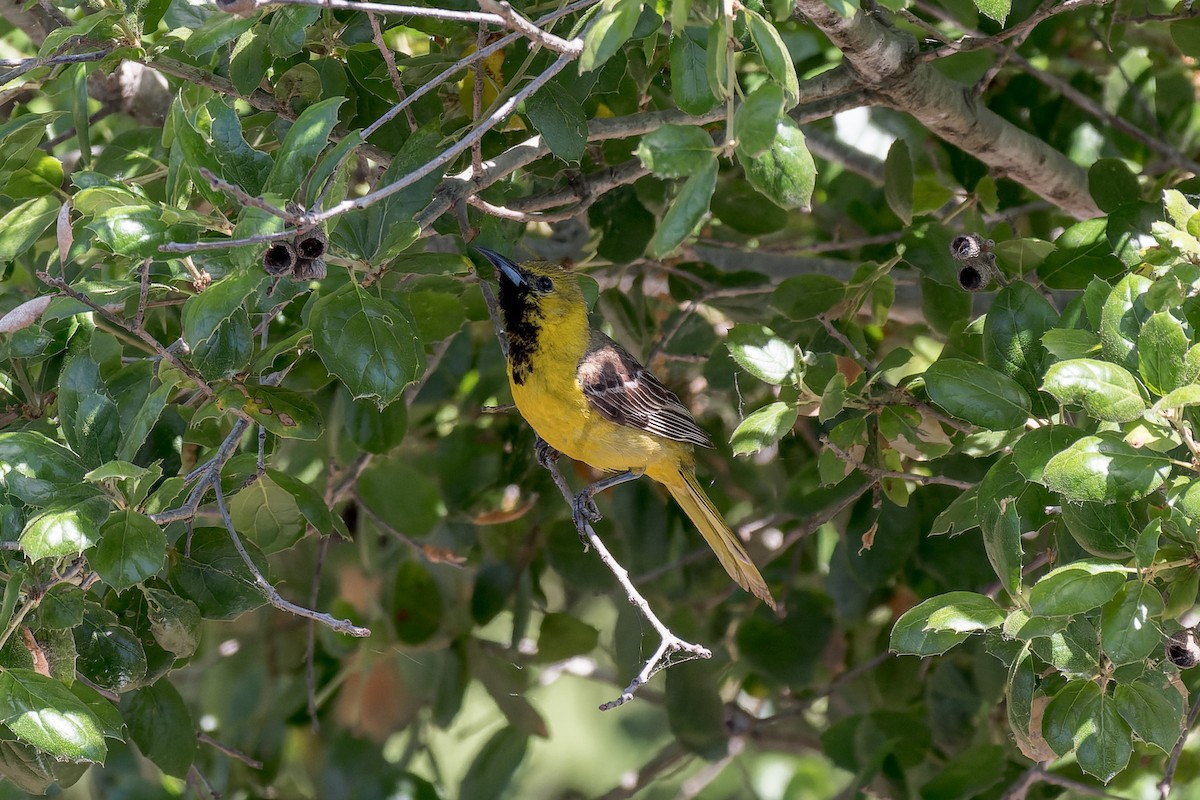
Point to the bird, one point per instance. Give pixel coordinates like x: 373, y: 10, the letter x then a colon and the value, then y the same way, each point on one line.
x: 586, y: 397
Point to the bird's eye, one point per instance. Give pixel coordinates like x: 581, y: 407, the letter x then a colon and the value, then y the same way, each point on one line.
x: 544, y: 284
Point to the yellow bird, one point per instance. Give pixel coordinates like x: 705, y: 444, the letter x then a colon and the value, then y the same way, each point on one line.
x: 589, y: 399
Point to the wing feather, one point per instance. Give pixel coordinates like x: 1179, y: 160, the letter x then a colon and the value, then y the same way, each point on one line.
x: 625, y: 392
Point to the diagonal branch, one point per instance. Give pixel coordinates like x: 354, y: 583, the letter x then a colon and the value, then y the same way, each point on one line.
x: 884, y: 60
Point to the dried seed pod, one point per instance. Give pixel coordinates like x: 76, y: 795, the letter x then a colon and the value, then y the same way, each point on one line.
x: 280, y: 258
x: 309, y: 269
x: 977, y: 262
x: 1183, y: 648
x: 312, y: 245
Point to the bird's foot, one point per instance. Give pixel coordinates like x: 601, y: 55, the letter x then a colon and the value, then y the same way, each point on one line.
x: 584, y: 510
x: 545, y: 454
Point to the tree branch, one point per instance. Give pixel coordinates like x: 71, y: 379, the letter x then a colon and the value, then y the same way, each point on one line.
x: 884, y: 61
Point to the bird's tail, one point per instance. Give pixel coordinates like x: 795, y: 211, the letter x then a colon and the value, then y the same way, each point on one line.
x: 708, y: 520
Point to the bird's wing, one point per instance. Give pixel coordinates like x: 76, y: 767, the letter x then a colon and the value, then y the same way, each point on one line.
x: 625, y: 392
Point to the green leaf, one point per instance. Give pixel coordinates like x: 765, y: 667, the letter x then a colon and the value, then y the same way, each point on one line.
x: 1161, y: 349
x: 374, y: 429
x: 494, y: 765
x: 968, y: 774
x: 287, y: 30
x: 785, y: 171
x: 1121, y: 320
x: 42, y: 712
x: 559, y: 118
x: 1103, y: 530
x: 1039, y: 445
x: 960, y: 516
x: 132, y: 548
x: 33, y: 468
x: 898, y: 181
x: 304, y: 142
x: 1182, y: 397
x: 1075, y: 588
x: 308, y: 500
x: 999, y: 492
x: 996, y: 9
x: 689, y: 81
x: 935, y: 625
x: 366, y: 342
x: 21, y: 227
x: 416, y: 603
x: 562, y: 636
x: 1154, y: 709
x: 775, y: 55
x: 283, y: 412
x: 757, y: 118
x: 203, y: 313
x: 1105, y: 469
x: 676, y: 151
x: 1106, y: 745
x: 174, y: 621
x: 1012, y: 332
x: 1068, y: 344
x: 267, y: 514
x: 1112, y: 184
x: 138, y: 231
x: 413, y: 512
x: 1081, y: 254
x: 1072, y: 649
x: 687, y: 211
x: 162, y: 727
x: 978, y: 394
x: 763, y: 428
x: 761, y: 353
x: 787, y: 650
x: 68, y: 526
x: 695, y: 711
x: 110, y: 655
x: 90, y: 420
x: 213, y: 576
x: 1129, y: 629
x: 1106, y: 391
x: 612, y: 28
x: 240, y: 163
x: 803, y: 297
x: 1186, y: 35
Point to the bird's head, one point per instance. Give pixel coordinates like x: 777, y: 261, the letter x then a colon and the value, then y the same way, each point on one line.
x: 536, y: 291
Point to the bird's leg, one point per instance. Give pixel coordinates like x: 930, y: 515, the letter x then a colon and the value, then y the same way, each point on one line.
x: 584, y: 510
x: 544, y: 453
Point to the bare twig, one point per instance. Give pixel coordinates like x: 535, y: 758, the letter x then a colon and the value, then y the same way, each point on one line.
x: 866, y: 363
x: 391, y: 8
x: 1164, y: 786
x: 146, y: 338
x: 244, y: 197
x: 877, y: 474
x: 206, y: 473
x: 389, y: 58
x: 310, y: 644
x: 514, y: 21
x: 273, y: 597
x: 232, y: 752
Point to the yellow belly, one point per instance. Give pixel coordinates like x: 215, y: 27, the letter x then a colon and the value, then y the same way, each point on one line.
x: 559, y: 412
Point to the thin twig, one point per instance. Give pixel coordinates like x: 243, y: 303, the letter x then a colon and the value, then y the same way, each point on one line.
x: 273, y: 597
x: 477, y: 95
x: 864, y: 362
x: 145, y: 337
x: 389, y: 58
x: 1164, y: 786
x: 244, y: 197
x: 206, y: 473
x: 877, y: 473
x: 139, y: 320
x: 390, y: 8
x: 232, y: 752
x: 310, y: 644
x: 514, y: 21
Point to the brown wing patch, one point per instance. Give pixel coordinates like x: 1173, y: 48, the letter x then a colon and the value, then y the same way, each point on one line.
x: 625, y: 392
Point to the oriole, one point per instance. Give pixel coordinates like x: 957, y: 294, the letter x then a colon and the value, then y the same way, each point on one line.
x: 589, y: 399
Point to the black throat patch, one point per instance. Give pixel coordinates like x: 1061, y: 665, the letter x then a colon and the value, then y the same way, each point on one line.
x: 522, y: 326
